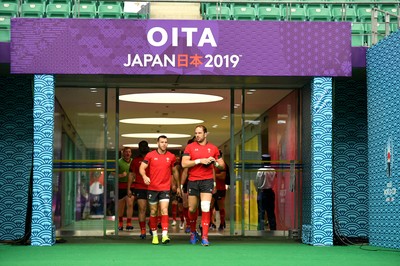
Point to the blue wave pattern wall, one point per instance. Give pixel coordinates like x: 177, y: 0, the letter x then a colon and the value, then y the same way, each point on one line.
x: 350, y: 158
x: 321, y: 162
x: 383, y: 79
x: 306, y: 158
x: 16, y: 148
x: 43, y: 117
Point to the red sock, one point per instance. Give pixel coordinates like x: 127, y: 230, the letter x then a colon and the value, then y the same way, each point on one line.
x: 192, y: 221
x: 120, y: 221
x: 174, y: 210
x: 186, y: 214
x: 129, y: 221
x: 164, y: 222
x: 142, y: 226
x: 205, y: 222
x: 222, y: 215
x: 182, y: 215
x: 153, y: 223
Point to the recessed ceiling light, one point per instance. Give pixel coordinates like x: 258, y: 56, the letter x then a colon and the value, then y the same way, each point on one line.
x: 252, y: 122
x: 155, y: 135
x: 161, y: 121
x: 172, y: 97
x: 153, y: 145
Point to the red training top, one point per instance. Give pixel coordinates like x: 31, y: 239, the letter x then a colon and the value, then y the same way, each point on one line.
x: 220, y: 182
x: 196, y: 151
x: 134, y: 168
x: 160, y: 170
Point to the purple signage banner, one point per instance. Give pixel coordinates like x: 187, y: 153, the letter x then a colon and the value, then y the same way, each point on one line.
x: 183, y: 47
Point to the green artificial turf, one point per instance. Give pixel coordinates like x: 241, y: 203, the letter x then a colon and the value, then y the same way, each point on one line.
x: 222, y: 251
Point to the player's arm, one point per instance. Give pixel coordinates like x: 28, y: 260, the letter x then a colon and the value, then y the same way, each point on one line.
x: 184, y: 176
x: 142, y: 171
x: 221, y: 175
x: 123, y: 174
x: 120, y: 175
x: 175, y: 174
x: 219, y: 163
x: 131, y: 179
x: 215, y: 181
x: 187, y: 162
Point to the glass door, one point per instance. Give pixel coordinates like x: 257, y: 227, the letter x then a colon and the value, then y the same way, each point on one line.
x: 84, y: 141
x: 266, y: 162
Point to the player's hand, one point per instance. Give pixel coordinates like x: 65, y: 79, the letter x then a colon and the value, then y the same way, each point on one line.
x: 179, y: 192
x: 146, y: 180
x: 129, y: 193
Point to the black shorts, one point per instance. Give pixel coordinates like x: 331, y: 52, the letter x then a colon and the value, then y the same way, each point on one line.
x: 173, y: 196
x: 140, y: 193
x: 180, y: 200
x: 122, y: 193
x: 220, y: 194
x: 185, y: 187
x: 200, y: 186
x: 155, y: 196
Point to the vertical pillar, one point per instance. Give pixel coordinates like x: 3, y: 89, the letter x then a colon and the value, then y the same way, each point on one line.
x: 43, y: 131
x: 321, y: 162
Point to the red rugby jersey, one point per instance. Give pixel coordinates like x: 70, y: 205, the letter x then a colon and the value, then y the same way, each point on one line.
x: 220, y: 183
x: 196, y: 151
x: 134, y: 168
x: 160, y: 170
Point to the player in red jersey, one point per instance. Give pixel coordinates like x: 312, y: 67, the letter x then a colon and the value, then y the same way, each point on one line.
x: 162, y: 165
x: 185, y: 203
x: 139, y: 192
x: 201, y: 157
x: 219, y: 196
x: 176, y: 202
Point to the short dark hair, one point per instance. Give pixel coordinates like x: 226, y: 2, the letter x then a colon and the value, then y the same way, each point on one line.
x: 143, y: 147
x: 203, y: 127
x: 161, y: 137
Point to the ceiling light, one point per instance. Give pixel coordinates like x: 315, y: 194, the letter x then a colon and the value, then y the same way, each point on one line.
x: 153, y: 145
x: 161, y: 121
x: 214, y: 126
x: 173, y: 97
x: 252, y: 122
x: 155, y: 135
